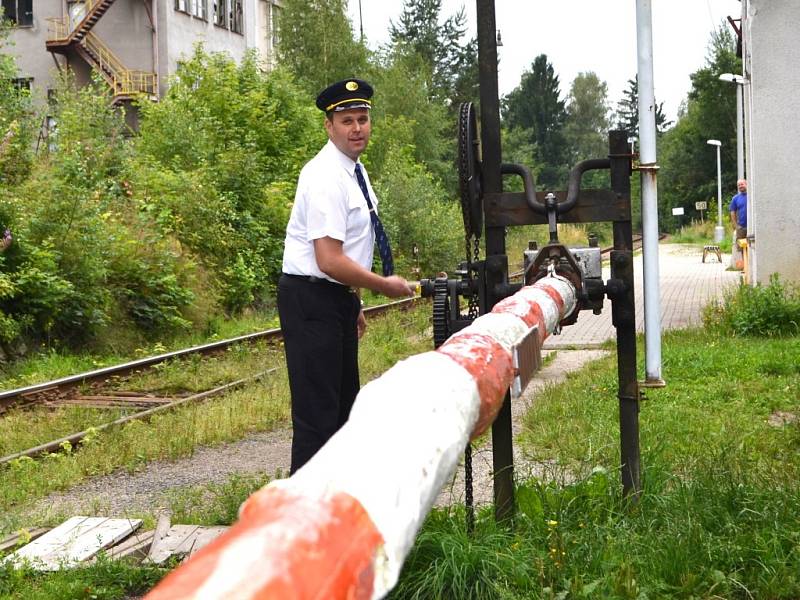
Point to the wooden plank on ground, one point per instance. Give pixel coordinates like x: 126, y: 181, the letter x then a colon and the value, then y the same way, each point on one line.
x: 75, y: 540
x: 183, y: 540
x: 135, y: 546
x: 22, y: 537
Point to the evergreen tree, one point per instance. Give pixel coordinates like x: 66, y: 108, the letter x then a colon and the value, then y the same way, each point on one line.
x: 628, y: 111
x: 536, y: 105
x: 688, y: 164
x: 452, y: 63
x: 317, y: 43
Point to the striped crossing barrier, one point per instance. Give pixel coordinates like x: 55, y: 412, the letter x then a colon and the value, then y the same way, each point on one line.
x: 342, y: 525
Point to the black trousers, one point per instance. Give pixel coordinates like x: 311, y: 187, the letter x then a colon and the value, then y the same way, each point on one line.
x: 318, y: 321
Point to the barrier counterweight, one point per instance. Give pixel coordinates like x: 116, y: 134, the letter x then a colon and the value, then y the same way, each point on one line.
x: 343, y: 524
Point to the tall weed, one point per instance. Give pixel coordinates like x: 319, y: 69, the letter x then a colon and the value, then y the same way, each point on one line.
x: 771, y: 310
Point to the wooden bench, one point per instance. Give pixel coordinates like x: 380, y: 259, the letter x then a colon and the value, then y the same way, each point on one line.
x: 713, y: 250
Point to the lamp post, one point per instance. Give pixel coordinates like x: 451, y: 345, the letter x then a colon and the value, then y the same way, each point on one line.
x: 740, y: 81
x: 719, y: 230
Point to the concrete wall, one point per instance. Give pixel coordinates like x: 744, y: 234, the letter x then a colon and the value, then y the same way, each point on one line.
x: 181, y: 32
x: 26, y: 44
x: 771, y: 52
x: 127, y: 30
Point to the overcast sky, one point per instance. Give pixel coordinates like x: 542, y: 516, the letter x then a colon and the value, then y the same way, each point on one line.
x: 583, y: 35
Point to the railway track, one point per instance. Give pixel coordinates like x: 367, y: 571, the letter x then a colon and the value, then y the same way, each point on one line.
x: 63, y: 392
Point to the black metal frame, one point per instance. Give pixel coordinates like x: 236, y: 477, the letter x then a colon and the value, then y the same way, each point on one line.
x: 502, y: 209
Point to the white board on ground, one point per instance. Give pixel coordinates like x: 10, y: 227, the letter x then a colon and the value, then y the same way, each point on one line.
x: 74, y: 541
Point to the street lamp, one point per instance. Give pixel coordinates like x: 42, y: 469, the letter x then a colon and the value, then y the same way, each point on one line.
x: 740, y: 81
x: 719, y: 230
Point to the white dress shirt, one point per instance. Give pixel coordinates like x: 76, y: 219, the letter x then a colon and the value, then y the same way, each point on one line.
x: 328, y: 203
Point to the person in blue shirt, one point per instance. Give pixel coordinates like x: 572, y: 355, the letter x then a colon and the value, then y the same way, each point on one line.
x: 738, y: 209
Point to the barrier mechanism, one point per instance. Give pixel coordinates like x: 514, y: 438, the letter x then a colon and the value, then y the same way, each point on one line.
x: 343, y: 524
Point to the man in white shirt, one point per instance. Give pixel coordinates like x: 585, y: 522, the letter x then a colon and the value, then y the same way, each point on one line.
x: 328, y: 252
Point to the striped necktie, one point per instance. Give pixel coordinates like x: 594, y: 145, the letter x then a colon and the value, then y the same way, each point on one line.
x: 380, y: 234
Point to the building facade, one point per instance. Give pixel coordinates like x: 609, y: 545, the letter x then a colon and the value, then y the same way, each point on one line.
x: 134, y: 45
x: 770, y: 53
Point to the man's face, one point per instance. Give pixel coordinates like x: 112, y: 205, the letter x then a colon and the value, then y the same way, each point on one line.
x: 742, y: 185
x: 349, y: 130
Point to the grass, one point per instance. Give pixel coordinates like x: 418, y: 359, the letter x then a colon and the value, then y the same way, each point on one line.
x: 44, y: 364
x: 717, y: 516
x: 258, y: 407
x: 702, y: 234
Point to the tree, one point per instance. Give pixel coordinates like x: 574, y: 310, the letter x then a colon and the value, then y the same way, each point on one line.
x: 453, y: 64
x: 628, y: 111
x: 688, y: 164
x: 317, y: 43
x: 536, y: 105
x: 587, y: 123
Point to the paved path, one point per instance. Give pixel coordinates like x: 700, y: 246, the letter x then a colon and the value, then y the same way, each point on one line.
x: 687, y: 284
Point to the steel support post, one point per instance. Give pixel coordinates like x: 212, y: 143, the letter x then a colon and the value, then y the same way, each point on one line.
x: 624, y: 319
x: 496, y: 276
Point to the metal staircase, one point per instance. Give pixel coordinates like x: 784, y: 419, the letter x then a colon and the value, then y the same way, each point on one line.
x: 63, y: 38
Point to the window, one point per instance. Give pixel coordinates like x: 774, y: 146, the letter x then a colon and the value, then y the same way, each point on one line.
x: 182, y: 5
x: 22, y: 83
x: 274, y: 12
x: 19, y: 12
x: 221, y: 12
x: 199, y: 9
x: 237, y: 18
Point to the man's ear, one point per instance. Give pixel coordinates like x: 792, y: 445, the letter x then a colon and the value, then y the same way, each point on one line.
x: 328, y: 125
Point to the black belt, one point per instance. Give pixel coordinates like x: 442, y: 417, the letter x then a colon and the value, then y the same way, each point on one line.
x: 321, y: 280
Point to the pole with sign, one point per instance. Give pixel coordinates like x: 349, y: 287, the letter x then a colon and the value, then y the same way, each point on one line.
x: 701, y: 206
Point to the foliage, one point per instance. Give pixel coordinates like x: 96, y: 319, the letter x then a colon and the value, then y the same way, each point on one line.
x: 535, y: 105
x: 771, y: 310
x: 403, y: 115
x: 452, y: 64
x: 77, y: 240
x: 586, y: 125
x: 717, y: 515
x: 317, y: 45
x: 627, y: 113
x: 688, y: 164
x: 240, y: 121
x: 16, y: 119
x: 415, y: 212
x: 106, y: 579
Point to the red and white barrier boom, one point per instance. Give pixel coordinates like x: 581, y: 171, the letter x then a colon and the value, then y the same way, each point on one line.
x: 341, y: 527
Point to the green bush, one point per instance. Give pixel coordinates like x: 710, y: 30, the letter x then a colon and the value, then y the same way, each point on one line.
x: 216, y: 163
x: 772, y: 310
x: 81, y: 252
x: 415, y: 210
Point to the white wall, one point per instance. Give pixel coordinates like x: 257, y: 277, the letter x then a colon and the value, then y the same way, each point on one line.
x: 772, y: 55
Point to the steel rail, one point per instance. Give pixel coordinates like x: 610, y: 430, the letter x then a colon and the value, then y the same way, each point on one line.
x: 11, y: 397
x: 77, y: 437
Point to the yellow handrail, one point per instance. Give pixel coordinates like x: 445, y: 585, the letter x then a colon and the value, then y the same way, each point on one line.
x: 57, y: 29
x: 106, y: 59
x: 61, y: 29
x: 123, y: 81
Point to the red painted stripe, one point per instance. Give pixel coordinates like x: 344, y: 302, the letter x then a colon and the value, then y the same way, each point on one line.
x: 555, y: 295
x: 320, y: 548
x: 491, y: 366
x: 530, y: 312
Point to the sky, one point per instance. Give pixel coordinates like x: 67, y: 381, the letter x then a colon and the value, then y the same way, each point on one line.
x: 583, y: 35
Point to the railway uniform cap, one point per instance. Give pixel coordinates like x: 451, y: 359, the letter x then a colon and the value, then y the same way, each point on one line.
x: 344, y: 95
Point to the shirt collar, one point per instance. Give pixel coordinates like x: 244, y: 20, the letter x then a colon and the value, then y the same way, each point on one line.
x: 348, y: 164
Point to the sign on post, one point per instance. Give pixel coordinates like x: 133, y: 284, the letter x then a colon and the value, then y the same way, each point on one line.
x: 701, y: 206
x: 677, y: 211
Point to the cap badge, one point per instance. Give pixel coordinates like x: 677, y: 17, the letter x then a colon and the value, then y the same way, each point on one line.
x: 351, y: 86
